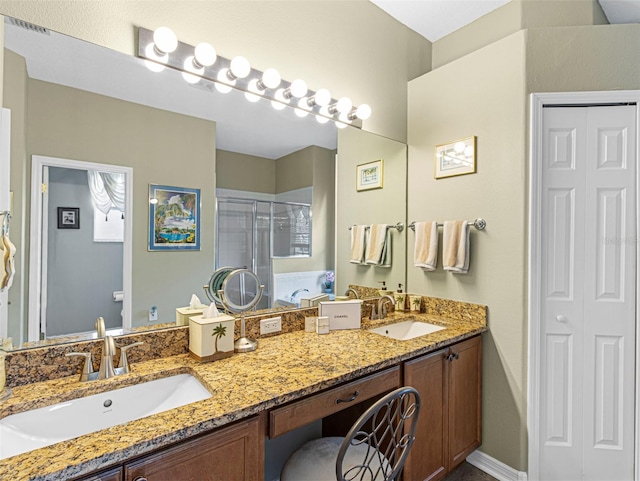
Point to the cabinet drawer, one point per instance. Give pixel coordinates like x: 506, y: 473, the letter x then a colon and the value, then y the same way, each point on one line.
x: 318, y: 406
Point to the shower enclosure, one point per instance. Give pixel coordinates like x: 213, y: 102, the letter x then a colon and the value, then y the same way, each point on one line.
x: 250, y: 233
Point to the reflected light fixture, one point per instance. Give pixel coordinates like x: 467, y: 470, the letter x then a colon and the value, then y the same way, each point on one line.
x: 161, y: 48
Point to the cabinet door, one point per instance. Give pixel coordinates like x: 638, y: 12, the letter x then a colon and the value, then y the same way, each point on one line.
x: 465, y: 399
x: 428, y: 456
x: 234, y: 453
x: 108, y: 475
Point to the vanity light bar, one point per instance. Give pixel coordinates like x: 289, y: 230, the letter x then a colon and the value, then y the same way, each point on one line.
x: 236, y: 73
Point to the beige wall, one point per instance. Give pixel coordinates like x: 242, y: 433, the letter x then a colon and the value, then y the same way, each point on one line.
x: 77, y: 125
x: 513, y: 17
x: 481, y: 94
x: 245, y: 172
x: 339, y: 45
x: 380, y: 206
x: 486, y: 93
x: 295, y: 171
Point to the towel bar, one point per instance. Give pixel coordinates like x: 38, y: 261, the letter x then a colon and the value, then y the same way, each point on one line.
x: 399, y: 226
x: 479, y: 224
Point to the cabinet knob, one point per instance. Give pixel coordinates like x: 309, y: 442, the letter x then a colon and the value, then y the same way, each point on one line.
x: 561, y: 318
x: 140, y: 478
x: 453, y: 356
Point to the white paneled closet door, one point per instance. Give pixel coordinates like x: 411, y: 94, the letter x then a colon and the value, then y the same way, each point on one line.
x: 588, y: 294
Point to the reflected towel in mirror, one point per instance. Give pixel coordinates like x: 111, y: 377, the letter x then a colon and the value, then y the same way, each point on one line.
x: 357, y: 244
x: 378, y: 251
x: 425, y: 252
x: 455, y: 251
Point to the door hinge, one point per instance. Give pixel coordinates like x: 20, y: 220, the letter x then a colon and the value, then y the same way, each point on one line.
x: 43, y: 188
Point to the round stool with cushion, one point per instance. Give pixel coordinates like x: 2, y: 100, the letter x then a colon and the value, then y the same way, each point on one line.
x: 374, y: 449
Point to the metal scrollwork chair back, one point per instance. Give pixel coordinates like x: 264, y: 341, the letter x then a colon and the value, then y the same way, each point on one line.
x: 382, y: 438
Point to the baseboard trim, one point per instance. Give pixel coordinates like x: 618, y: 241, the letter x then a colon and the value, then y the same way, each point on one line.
x: 495, y: 468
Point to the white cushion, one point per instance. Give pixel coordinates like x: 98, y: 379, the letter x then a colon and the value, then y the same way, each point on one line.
x: 316, y: 461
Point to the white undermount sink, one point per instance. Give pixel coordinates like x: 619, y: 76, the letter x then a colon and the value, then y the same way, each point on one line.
x: 405, y: 330
x: 41, y: 427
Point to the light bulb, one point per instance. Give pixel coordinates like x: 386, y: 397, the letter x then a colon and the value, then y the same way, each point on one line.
x: 223, y: 85
x: 344, y: 105
x: 240, y: 67
x: 344, y: 118
x: 302, y: 110
x: 363, y: 112
x: 165, y: 40
x: 324, y: 111
x: 298, y: 88
x: 189, y: 66
x: 151, y: 53
x: 458, y: 147
x: 271, y: 78
x: 282, y: 100
x: 205, y: 54
x: 322, y: 97
x: 254, y: 91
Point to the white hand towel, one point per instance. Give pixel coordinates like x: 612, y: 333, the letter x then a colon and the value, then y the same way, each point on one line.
x: 357, y: 244
x: 425, y: 252
x: 455, y: 251
x: 378, y: 252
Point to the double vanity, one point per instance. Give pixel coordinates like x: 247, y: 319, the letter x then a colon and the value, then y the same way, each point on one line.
x: 292, y: 379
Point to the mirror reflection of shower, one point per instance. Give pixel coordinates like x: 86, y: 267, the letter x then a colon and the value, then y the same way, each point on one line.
x: 250, y: 233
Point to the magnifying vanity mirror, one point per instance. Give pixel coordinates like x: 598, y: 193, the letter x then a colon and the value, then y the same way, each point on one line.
x: 73, y: 100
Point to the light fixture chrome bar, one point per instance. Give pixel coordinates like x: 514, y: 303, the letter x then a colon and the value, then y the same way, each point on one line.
x: 176, y: 59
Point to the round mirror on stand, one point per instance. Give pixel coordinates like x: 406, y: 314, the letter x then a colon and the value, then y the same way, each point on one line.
x: 238, y: 290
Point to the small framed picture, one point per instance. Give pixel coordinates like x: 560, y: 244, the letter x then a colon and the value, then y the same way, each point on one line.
x: 369, y: 175
x: 68, y: 217
x: 456, y: 158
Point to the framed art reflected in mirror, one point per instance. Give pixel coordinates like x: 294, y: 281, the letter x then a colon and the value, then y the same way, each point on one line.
x: 174, y: 218
x: 456, y: 158
x: 68, y: 217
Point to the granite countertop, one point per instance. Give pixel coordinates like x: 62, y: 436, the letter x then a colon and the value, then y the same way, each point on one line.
x: 283, y: 368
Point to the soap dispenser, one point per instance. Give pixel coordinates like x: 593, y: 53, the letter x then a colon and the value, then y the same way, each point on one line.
x: 400, y: 298
x: 383, y: 291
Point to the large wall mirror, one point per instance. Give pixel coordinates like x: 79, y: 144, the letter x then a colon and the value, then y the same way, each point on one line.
x: 79, y: 102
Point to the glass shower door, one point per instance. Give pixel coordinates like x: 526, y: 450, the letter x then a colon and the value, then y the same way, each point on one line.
x: 243, y: 240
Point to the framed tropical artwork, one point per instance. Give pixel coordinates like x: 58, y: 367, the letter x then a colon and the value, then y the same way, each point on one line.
x: 174, y: 218
x: 369, y: 175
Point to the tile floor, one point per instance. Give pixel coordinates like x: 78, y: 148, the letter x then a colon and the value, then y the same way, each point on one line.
x: 468, y: 472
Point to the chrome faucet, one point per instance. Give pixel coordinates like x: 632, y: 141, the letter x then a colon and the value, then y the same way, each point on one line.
x: 295, y: 293
x: 352, y: 291
x: 107, y: 370
x: 382, y: 311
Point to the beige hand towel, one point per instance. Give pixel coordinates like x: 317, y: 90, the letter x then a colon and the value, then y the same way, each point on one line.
x: 455, y: 250
x: 357, y: 244
x: 377, y: 249
x: 425, y: 251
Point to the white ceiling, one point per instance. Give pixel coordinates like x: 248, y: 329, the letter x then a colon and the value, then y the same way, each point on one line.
x: 434, y: 19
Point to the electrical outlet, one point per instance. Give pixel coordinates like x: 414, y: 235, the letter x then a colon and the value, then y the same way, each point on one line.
x: 273, y: 324
x: 153, y: 313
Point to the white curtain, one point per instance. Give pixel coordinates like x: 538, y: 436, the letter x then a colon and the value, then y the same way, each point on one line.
x: 107, y: 190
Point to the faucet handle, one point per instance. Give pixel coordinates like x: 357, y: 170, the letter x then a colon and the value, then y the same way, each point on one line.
x: 124, y: 362
x: 88, y: 364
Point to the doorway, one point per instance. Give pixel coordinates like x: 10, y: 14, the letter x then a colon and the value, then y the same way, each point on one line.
x: 64, y: 231
x: 583, y: 373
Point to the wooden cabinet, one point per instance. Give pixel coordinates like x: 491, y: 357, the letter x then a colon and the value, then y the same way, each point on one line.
x: 234, y: 453
x: 114, y: 474
x: 449, y: 428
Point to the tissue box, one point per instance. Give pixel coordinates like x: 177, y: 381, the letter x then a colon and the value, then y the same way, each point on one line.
x: 211, y: 339
x: 342, y: 315
x: 184, y: 313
